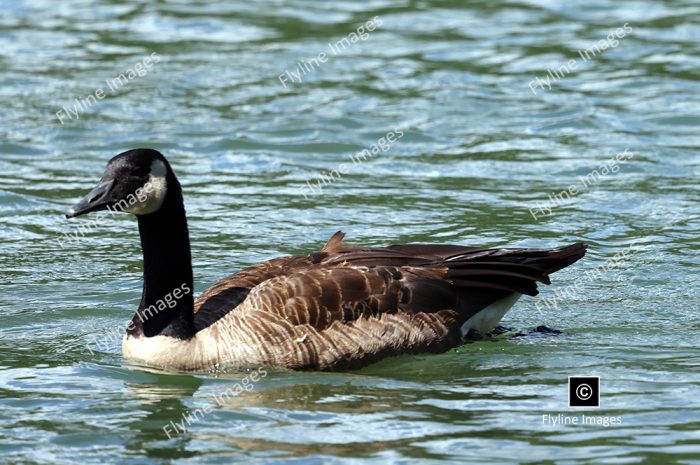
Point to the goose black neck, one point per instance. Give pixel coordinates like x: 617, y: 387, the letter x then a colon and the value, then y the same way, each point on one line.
x: 167, y: 303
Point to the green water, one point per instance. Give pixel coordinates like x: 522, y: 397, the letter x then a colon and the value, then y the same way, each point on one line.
x: 479, y: 149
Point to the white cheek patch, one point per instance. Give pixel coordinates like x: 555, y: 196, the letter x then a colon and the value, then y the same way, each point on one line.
x: 150, y: 197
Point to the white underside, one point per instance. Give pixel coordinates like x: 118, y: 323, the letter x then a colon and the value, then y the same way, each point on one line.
x: 160, y: 351
x: 487, y: 319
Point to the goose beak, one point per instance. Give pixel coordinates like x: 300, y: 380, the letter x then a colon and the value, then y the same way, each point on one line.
x: 98, y: 199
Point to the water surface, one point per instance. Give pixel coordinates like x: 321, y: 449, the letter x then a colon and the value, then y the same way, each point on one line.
x: 481, y: 147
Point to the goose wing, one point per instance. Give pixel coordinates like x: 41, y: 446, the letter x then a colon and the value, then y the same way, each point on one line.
x: 346, y: 283
x: 229, y: 292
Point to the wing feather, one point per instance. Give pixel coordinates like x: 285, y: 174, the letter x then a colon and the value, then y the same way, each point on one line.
x: 345, y: 293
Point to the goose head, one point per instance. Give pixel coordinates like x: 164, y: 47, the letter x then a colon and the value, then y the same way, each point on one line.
x: 135, y: 181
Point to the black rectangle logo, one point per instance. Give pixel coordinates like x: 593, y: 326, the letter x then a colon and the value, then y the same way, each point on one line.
x: 584, y: 391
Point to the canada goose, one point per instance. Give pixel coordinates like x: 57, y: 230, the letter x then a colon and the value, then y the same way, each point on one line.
x: 340, y: 308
